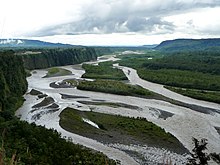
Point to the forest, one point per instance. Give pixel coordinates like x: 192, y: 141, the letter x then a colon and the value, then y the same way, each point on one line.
x: 197, y: 61
x: 212, y: 96
x: 23, y: 143
x: 190, y: 70
x: 103, y: 71
x: 115, y: 87
x: 196, y: 69
x: 13, y: 82
x: 179, y: 45
x: 45, y: 58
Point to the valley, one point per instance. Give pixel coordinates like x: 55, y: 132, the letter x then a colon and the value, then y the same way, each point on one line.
x: 184, y: 123
x: 106, y: 82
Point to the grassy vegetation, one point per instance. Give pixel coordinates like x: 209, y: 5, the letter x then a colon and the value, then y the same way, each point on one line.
x: 118, y: 129
x: 73, y: 82
x: 103, y: 71
x: 52, y: 72
x: 198, y: 94
x: 114, y: 87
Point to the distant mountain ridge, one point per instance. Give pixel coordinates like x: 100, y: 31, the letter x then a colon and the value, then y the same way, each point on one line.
x: 189, y: 44
x: 20, y: 43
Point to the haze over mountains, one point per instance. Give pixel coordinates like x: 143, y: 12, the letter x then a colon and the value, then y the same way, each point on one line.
x: 16, y: 43
x: 189, y: 44
x: 168, y: 45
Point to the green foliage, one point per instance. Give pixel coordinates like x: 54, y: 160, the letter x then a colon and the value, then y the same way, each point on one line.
x: 198, y: 94
x: 118, y: 129
x: 58, y: 57
x: 37, y: 145
x: 73, y: 82
x: 28, y: 73
x: 114, y: 87
x: 13, y: 82
x: 138, y: 60
x: 146, y: 54
x: 197, y: 61
x: 103, y: 50
x: 189, y: 44
x: 179, y: 78
x: 28, y: 143
x: 197, y: 70
x: 103, y: 71
x: 119, y: 49
x: 58, y: 72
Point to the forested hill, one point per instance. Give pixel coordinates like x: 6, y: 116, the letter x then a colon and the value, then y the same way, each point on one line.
x: 23, y: 143
x: 45, y: 58
x: 189, y: 44
x: 24, y: 43
x: 13, y: 82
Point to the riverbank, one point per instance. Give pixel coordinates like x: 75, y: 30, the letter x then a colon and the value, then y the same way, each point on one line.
x: 183, y: 123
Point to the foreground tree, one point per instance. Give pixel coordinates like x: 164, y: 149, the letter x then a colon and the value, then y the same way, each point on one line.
x: 199, y: 156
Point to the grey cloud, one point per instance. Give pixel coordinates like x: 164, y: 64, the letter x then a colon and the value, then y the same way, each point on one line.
x: 136, y: 23
x: 149, y: 25
x: 114, y: 16
x: 132, y: 24
x: 210, y: 31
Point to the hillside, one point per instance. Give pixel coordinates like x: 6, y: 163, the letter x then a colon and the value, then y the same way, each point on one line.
x: 23, y: 143
x: 189, y: 44
x: 24, y: 43
x: 13, y: 82
x: 45, y: 58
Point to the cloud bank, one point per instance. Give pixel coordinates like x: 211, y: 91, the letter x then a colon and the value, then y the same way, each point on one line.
x: 150, y: 17
x: 163, y: 19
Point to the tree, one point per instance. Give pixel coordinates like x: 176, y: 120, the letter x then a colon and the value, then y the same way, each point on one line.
x: 199, y: 156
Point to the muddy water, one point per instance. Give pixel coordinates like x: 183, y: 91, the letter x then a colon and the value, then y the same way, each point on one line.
x: 184, y: 123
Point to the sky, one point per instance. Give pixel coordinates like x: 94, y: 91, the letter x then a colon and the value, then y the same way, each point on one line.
x: 109, y: 22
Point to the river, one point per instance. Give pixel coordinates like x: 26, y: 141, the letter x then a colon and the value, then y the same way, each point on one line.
x: 183, y: 124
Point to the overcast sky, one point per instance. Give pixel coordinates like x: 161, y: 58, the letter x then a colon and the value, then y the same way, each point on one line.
x: 109, y: 22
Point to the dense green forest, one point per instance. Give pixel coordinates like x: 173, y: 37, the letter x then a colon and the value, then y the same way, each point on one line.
x: 31, y: 144
x: 106, y: 50
x: 103, y: 71
x: 197, y: 61
x: 23, y: 143
x: 103, y: 50
x: 198, y: 94
x: 195, y: 69
x: 46, y: 58
x: 189, y: 45
x: 13, y: 82
x: 179, y: 78
x: 115, y: 87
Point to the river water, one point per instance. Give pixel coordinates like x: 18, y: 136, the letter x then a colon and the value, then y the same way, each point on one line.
x: 183, y: 124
